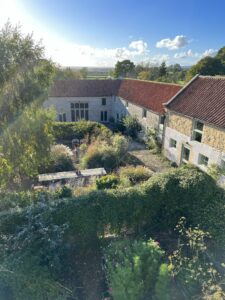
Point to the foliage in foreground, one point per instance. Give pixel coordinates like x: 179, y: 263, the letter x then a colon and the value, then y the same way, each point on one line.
x: 136, y: 270
x: 39, y: 237
x: 25, y: 128
x: 193, y: 267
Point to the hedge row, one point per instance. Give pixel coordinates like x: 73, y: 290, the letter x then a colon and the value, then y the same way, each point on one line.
x: 158, y: 204
x: 79, y: 130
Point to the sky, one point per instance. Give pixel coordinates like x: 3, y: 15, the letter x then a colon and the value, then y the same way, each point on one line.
x: 98, y: 33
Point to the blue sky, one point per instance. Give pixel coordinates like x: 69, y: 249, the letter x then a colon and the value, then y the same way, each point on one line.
x: 100, y: 32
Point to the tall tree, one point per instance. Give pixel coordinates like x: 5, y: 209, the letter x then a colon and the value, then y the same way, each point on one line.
x: 123, y: 68
x: 221, y: 55
x: 25, y: 76
x: 209, y: 65
x: 162, y: 69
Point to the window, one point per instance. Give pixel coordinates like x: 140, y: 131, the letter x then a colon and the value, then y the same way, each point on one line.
x: 144, y: 113
x: 62, y: 117
x: 103, y: 101
x: 117, y: 116
x: 185, y: 154
x: 162, y: 120
x: 198, y: 131
x: 79, y: 111
x: 203, y: 160
x: 173, y: 143
x: 104, y: 116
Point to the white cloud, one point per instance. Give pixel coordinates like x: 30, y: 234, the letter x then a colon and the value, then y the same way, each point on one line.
x: 186, y: 54
x: 178, y: 42
x: 141, y: 46
x: 191, y: 54
x: 62, y: 51
x: 209, y: 52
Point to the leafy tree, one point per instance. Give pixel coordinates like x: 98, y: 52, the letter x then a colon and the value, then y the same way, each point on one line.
x: 136, y: 271
x: 144, y: 75
x: 26, y: 144
x: 221, y: 55
x: 209, y: 65
x: 162, y: 69
x: 25, y: 76
x: 123, y: 68
x: 84, y: 73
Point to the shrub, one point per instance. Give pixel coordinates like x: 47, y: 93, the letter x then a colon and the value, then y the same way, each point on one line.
x: 64, y: 192
x: 107, y: 182
x: 61, y: 159
x: 134, y: 269
x: 135, y: 174
x: 215, y: 171
x: 106, y: 155
x: 80, y: 130
x: 151, y: 140
x: 132, y: 126
x: 193, y: 267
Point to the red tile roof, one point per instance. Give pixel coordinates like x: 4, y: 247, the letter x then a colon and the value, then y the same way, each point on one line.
x: 203, y: 98
x: 148, y: 94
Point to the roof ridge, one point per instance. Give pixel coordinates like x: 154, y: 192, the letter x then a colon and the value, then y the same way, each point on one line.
x: 213, y: 76
x: 152, y: 81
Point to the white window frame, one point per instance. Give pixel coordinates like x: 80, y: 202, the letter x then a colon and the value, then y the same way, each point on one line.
x: 198, y: 131
x: 79, y: 111
x: 173, y: 143
x: 201, y: 158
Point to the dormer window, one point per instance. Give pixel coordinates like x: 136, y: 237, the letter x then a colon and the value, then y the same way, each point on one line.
x: 198, y: 131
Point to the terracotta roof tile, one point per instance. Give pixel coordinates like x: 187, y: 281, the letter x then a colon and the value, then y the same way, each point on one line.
x: 148, y: 94
x: 203, y: 99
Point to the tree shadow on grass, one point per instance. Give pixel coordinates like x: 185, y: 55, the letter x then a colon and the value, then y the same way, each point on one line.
x: 130, y: 159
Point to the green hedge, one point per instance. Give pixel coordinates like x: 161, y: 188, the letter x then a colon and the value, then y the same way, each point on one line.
x: 79, y: 130
x: 158, y: 204
x: 52, y: 225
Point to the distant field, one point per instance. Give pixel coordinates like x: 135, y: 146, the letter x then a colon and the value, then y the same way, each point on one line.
x: 97, y: 76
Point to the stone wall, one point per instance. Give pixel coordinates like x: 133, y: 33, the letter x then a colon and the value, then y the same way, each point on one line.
x: 121, y: 109
x: 214, y: 137
x: 179, y: 128
x: 62, y: 105
x: 115, y: 107
x: 180, y: 123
